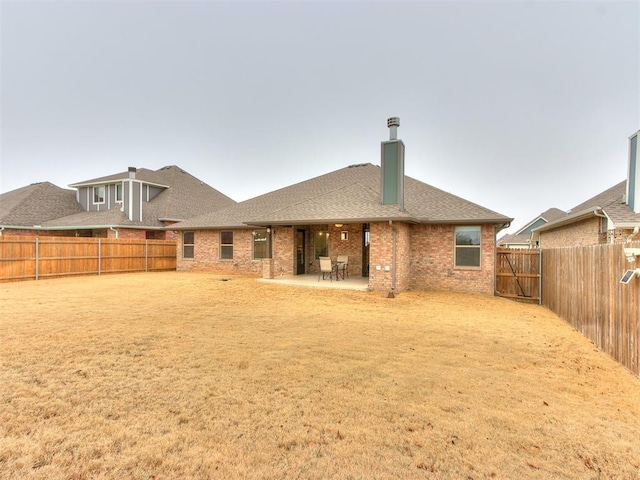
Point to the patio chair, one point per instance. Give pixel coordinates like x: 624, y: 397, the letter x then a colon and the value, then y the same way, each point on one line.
x: 343, y: 263
x: 325, y: 268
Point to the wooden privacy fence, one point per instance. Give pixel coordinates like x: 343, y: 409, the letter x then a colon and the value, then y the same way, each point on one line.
x: 518, y: 274
x: 23, y: 258
x: 582, y: 285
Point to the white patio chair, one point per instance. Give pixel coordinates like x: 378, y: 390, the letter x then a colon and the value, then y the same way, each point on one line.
x: 325, y: 268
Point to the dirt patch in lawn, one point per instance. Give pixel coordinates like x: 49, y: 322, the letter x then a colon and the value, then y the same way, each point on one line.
x: 182, y: 375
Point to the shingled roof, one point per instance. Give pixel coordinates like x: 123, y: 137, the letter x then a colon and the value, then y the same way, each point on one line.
x: 184, y: 196
x: 50, y: 207
x: 610, y: 202
x: 348, y: 195
x: 522, y: 236
x: 35, y: 204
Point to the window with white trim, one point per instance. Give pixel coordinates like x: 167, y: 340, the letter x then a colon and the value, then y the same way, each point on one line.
x: 118, y: 192
x: 226, y: 245
x: 188, y: 244
x: 98, y: 194
x: 467, y: 246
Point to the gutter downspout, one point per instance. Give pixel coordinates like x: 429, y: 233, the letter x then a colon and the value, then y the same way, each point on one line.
x: 597, y: 211
x: 392, y: 293
x: 114, y: 230
x: 1, y: 230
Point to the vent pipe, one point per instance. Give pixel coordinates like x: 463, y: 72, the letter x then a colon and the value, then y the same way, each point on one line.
x: 393, y: 123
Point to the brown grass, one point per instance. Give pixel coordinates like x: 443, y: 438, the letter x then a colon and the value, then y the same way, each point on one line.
x: 182, y: 375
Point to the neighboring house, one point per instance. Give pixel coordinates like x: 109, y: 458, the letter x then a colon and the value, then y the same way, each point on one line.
x: 522, y: 237
x: 24, y: 210
x: 396, y: 230
x: 139, y: 203
x: 612, y: 216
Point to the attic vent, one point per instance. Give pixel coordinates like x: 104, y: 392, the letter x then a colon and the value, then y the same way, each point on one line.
x: 355, y: 165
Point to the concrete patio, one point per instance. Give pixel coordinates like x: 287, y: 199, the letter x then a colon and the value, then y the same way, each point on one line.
x: 349, y: 283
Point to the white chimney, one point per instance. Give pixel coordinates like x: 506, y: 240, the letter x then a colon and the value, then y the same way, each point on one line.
x: 132, y: 172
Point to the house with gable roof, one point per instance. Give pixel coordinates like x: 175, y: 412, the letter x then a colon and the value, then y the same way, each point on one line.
x: 138, y: 203
x: 612, y: 216
x: 24, y: 210
x: 396, y: 230
x: 522, y: 237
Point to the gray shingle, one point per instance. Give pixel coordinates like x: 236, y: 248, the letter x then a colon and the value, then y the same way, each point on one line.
x: 348, y: 194
x: 36, y: 204
x: 185, y: 197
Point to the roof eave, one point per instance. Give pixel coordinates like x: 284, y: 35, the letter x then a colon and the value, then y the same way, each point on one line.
x: 344, y: 221
x: 576, y: 217
x: 572, y: 218
x: 207, y: 227
x: 117, y: 180
x: 87, y: 227
x: 626, y: 224
x: 469, y: 221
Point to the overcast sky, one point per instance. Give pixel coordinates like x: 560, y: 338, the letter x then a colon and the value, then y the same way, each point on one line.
x: 516, y: 106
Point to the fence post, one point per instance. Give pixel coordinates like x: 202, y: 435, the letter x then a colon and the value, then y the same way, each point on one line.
x: 99, y: 255
x: 146, y: 255
x: 37, y: 259
x: 540, y: 277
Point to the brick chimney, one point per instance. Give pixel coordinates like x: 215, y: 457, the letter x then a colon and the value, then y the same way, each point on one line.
x: 392, y: 163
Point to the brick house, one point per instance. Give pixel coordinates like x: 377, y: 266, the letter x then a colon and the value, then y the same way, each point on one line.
x: 522, y: 237
x: 398, y: 231
x: 612, y: 216
x: 139, y: 203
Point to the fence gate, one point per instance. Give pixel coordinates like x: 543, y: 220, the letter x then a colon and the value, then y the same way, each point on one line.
x: 518, y: 274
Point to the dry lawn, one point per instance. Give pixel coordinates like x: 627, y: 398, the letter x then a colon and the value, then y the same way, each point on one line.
x: 184, y: 375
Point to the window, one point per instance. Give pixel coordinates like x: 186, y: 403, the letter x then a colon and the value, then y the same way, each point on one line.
x: 321, y: 244
x: 226, y: 245
x: 260, y: 245
x: 467, y: 253
x: 119, y: 193
x: 98, y: 194
x: 187, y: 244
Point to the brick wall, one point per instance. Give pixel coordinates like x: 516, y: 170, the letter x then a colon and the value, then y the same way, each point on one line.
x: 381, y: 256
x: 126, y: 233
x: 352, y: 246
x: 432, y: 261
x: 424, y: 255
x: 39, y: 233
x: 284, y: 262
x: 584, y: 232
x: 620, y: 235
x: 207, y: 253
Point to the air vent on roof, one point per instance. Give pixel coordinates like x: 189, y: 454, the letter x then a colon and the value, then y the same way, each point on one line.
x: 358, y: 165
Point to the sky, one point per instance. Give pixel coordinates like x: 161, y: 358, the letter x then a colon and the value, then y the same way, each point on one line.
x: 518, y: 106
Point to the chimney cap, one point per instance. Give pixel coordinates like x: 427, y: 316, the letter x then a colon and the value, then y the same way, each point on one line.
x: 393, y: 122
x: 133, y: 169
